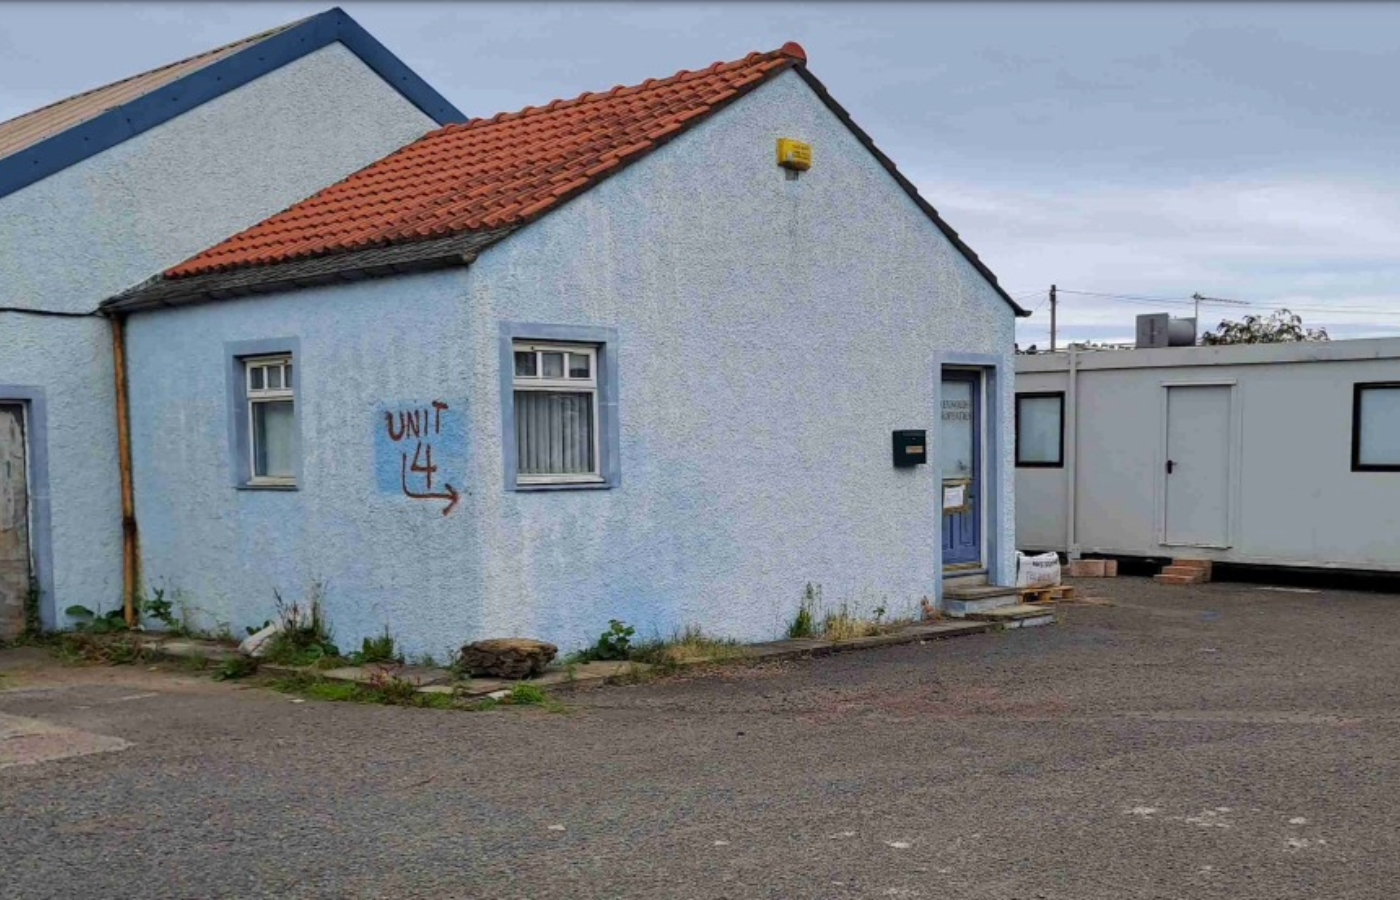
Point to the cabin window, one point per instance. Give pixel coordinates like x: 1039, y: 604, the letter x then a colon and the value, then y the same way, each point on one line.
x: 1040, y: 429
x: 1375, y: 427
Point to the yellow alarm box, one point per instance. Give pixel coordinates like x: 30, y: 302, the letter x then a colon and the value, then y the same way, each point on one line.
x: 794, y: 155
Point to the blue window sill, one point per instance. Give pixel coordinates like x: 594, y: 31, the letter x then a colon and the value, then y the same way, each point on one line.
x: 576, y: 486
x: 266, y: 487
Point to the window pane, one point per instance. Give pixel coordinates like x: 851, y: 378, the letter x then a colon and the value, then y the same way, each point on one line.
x: 273, y: 439
x: 957, y: 433
x: 525, y: 363
x: 1038, y: 434
x: 553, y: 365
x: 287, y: 375
x: 554, y: 433
x: 274, y: 378
x: 1379, y: 429
x: 578, y: 365
x: 255, y: 378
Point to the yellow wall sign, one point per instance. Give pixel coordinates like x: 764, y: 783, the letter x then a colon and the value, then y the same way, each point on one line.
x: 794, y: 154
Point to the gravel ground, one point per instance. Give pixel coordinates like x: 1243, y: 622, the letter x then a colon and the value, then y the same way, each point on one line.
x: 1222, y: 741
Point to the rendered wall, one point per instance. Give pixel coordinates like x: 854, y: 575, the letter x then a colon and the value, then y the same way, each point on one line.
x: 772, y: 334
x: 98, y: 227
x: 1296, y: 500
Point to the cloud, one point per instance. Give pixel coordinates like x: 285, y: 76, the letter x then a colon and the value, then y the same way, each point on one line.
x: 1326, y: 248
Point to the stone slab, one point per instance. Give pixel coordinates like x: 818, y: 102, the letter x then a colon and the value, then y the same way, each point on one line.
x: 1012, y: 613
x: 421, y: 676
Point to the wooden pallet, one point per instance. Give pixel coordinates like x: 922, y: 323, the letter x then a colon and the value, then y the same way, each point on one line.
x: 1061, y: 593
x: 1058, y: 593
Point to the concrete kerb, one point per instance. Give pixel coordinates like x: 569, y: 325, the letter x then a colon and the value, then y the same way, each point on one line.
x: 580, y: 675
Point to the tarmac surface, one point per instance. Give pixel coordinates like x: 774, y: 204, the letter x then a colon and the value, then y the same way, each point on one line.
x: 1223, y: 740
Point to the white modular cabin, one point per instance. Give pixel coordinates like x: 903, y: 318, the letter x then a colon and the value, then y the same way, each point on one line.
x: 1264, y: 454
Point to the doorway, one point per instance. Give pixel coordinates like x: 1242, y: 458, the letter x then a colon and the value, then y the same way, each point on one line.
x: 15, y: 572
x: 1197, y: 468
x: 960, y: 463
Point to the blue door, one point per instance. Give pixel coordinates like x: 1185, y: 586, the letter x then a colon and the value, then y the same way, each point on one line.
x: 959, y: 456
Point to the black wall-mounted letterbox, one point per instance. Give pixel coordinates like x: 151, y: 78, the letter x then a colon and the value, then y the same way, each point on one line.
x: 910, y: 448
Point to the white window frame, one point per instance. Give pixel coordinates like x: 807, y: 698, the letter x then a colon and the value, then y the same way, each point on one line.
x: 287, y: 392
x: 538, y: 382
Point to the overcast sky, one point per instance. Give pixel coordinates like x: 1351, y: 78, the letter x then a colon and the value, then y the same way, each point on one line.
x: 1151, y: 150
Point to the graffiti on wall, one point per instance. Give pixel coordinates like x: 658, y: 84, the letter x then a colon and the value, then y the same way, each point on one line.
x: 420, y: 451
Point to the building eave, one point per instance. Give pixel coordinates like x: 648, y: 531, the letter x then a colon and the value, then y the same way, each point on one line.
x: 130, y: 119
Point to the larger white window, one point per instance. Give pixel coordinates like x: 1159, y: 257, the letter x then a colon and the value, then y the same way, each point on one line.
x: 1375, y: 427
x: 271, y: 420
x: 556, y: 413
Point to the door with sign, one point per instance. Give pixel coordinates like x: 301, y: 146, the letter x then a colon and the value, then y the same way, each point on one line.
x: 959, y: 458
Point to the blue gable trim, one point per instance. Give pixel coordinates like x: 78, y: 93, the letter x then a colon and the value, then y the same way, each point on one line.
x: 130, y: 119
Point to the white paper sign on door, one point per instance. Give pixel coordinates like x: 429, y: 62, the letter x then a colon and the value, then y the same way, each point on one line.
x: 954, y: 496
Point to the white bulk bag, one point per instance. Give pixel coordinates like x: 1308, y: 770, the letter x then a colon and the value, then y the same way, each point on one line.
x: 1042, y: 570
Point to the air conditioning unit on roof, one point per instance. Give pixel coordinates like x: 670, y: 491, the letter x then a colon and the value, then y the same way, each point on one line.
x: 1161, y: 330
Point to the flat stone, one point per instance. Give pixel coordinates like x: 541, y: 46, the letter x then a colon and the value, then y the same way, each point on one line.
x: 438, y: 689
x: 420, y: 676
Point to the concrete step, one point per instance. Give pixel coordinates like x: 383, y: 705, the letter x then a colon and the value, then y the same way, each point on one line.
x: 962, y: 601
x: 1178, y: 579
x: 1019, y: 616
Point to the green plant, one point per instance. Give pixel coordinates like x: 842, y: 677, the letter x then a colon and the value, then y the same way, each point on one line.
x: 236, y: 667
x: 841, y: 624
x: 305, y: 636
x: 377, y: 649
x: 526, y: 695
x: 160, y: 609
x: 90, y: 622
x: 254, y: 629
x: 33, y: 623
x: 804, y: 624
x: 615, y: 643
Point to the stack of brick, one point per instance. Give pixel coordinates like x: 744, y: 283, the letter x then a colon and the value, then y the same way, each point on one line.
x: 1093, y: 568
x: 1185, y: 571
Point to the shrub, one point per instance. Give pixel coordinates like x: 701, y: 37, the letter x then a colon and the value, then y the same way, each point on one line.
x: 615, y: 643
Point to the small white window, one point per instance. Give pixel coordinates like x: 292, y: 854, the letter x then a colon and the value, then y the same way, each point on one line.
x: 271, y: 420
x: 1040, y: 430
x: 1375, y: 428
x: 556, y: 413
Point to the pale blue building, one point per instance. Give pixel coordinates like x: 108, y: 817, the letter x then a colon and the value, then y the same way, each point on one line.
x: 114, y: 185
x: 613, y: 357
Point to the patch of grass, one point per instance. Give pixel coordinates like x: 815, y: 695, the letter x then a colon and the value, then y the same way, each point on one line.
x: 687, y: 645
x: 376, y: 650
x: 842, y: 625
x: 236, y: 667
x: 107, y: 649
x: 522, y: 694
x: 384, y: 689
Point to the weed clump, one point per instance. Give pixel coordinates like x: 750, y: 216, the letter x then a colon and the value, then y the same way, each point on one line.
x: 305, y: 636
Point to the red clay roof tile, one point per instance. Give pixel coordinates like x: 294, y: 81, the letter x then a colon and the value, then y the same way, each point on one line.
x: 492, y: 172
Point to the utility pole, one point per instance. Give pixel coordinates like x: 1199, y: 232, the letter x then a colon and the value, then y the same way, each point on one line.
x: 1196, y: 315
x: 1053, y: 304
